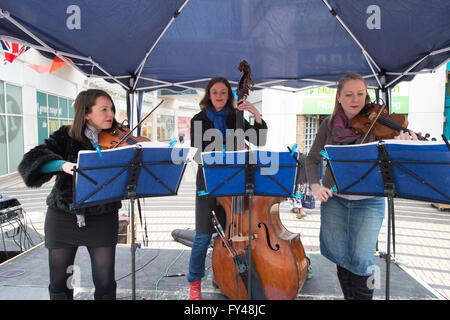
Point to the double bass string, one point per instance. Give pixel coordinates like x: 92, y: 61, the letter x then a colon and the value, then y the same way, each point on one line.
x: 221, y: 233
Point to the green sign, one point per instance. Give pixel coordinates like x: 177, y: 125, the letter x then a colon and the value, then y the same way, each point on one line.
x: 400, y: 104
x: 321, y: 100
x: 41, y: 99
x: 53, y: 106
x: 318, y: 105
x: 42, y: 129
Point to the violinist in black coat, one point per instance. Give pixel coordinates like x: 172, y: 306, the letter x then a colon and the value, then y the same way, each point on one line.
x: 66, y: 229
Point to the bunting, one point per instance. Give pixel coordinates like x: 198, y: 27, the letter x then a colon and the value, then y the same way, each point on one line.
x: 12, y: 50
x: 57, y: 63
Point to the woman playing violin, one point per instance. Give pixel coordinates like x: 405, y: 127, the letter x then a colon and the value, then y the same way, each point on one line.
x: 350, y: 224
x: 66, y: 229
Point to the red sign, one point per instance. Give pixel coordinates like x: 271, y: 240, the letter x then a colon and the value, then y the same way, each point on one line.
x: 184, y: 127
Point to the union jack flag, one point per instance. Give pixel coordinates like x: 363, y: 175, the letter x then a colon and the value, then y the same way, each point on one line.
x: 12, y: 50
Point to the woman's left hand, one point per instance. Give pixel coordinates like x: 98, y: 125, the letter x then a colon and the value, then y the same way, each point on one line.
x: 67, y: 167
x: 406, y: 136
x: 247, y: 106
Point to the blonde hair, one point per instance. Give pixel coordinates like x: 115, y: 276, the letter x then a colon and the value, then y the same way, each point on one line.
x: 341, y: 83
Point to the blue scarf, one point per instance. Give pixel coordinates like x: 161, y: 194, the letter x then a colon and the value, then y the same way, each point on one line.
x: 219, y: 119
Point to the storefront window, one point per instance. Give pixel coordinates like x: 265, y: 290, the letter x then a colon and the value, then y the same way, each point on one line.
x: 184, y: 127
x: 63, y: 110
x: 13, y: 99
x: 52, y: 113
x: 146, y: 127
x: 2, y: 98
x: 15, y: 141
x: 310, y: 132
x: 11, y: 127
x: 165, y: 127
x: 3, y: 150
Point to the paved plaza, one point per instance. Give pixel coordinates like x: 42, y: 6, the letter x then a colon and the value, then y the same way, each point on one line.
x: 422, y: 232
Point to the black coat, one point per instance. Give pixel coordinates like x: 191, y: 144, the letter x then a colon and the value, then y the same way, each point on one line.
x: 206, y: 124
x: 59, y: 146
x: 301, y: 169
x: 204, y: 204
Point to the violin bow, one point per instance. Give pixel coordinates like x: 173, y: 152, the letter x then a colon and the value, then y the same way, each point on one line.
x: 140, y: 122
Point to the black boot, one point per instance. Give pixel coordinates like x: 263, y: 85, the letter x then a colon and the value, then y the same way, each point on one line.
x: 63, y: 295
x: 108, y: 294
x: 362, y: 287
x: 345, y: 280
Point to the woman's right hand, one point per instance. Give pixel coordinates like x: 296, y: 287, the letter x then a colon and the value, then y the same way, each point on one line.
x: 320, y: 192
x: 68, y: 166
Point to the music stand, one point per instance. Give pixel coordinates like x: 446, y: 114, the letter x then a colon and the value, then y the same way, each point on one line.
x: 249, y: 173
x: 415, y: 170
x: 132, y: 172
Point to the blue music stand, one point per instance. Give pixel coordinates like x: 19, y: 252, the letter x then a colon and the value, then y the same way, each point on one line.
x: 105, y: 179
x: 131, y: 172
x: 393, y: 168
x: 227, y: 174
x: 249, y: 173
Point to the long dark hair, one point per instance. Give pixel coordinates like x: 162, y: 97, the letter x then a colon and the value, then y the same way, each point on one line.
x: 83, y: 105
x: 206, y: 100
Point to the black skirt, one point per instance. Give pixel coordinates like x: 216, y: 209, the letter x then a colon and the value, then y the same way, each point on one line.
x: 62, y: 231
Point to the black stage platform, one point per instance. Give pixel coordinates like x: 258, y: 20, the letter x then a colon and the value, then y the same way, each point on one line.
x: 160, y: 275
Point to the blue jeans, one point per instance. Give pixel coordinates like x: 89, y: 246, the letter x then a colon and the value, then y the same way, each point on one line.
x: 349, y: 232
x: 198, y: 255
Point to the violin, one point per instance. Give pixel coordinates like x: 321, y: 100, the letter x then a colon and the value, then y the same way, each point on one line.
x: 255, y: 256
x: 375, y: 118
x: 120, y: 135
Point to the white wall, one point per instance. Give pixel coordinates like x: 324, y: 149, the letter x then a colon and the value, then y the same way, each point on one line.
x: 426, y: 109
x: 426, y: 103
x: 64, y: 82
x: 67, y: 82
x: 280, y: 111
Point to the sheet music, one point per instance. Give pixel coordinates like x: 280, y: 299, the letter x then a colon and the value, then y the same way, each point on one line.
x: 150, y: 144
x: 390, y: 141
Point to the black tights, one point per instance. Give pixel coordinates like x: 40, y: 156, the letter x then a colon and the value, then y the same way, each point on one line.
x: 61, y: 263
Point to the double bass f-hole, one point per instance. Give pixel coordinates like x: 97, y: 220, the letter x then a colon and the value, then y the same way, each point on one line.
x: 277, y: 246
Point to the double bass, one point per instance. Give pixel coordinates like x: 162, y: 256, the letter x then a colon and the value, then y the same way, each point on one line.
x: 255, y: 256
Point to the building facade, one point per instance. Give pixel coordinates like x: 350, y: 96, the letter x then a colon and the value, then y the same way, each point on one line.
x: 33, y: 105
x: 295, y: 117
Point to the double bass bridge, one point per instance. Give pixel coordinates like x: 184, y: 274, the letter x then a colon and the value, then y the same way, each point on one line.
x: 240, y: 238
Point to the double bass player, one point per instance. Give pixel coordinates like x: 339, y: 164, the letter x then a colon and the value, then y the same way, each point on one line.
x: 218, y: 113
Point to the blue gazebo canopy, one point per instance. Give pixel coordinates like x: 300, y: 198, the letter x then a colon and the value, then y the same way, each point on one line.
x: 180, y: 44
